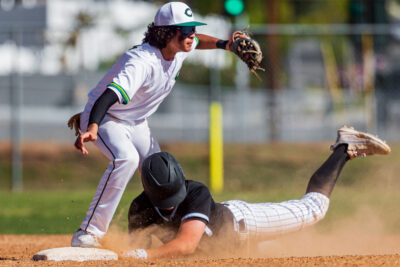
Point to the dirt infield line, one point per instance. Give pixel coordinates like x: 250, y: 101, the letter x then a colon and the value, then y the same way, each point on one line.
x: 17, y: 250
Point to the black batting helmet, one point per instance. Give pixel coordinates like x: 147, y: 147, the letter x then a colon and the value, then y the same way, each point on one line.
x: 163, y: 180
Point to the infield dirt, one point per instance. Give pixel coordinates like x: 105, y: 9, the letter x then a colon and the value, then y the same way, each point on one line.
x: 355, y: 242
x: 17, y: 250
x: 370, y: 237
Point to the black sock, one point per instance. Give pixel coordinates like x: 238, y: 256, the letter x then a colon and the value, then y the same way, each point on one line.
x: 324, y: 179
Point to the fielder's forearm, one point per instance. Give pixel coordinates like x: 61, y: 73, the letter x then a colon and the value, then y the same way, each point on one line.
x: 100, y: 107
x: 209, y: 42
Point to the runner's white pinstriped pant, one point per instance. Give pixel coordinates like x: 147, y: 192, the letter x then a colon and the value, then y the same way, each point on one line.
x: 126, y: 144
x: 263, y: 221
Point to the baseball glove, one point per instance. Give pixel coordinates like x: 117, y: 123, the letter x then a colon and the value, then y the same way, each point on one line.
x: 248, y: 50
x: 74, y: 123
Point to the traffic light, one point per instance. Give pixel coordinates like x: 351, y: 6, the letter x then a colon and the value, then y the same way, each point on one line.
x: 234, y: 7
x: 369, y: 12
x: 357, y: 12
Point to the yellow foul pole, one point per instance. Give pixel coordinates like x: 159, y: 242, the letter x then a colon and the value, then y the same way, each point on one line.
x: 216, y: 148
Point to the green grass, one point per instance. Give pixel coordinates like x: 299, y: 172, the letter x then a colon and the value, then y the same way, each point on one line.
x: 61, y: 212
x: 59, y: 183
x: 44, y: 212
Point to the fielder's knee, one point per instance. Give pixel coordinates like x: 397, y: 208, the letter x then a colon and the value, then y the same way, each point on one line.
x: 132, y: 161
x: 124, y: 168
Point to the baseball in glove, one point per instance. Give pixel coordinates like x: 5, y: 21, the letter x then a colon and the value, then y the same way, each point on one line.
x: 248, y: 50
x: 74, y: 123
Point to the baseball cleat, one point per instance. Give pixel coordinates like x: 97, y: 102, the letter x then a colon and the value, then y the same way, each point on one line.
x: 84, y: 239
x: 360, y: 144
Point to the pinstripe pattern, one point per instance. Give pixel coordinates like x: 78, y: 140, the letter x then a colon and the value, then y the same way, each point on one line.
x: 267, y: 220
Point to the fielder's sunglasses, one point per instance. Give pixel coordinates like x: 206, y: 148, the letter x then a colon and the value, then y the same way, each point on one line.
x: 187, y: 30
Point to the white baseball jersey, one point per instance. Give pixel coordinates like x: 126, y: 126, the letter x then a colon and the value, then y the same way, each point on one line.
x: 141, y: 78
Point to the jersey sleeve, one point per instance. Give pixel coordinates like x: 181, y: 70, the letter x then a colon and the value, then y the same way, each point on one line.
x: 128, y: 80
x: 198, y: 204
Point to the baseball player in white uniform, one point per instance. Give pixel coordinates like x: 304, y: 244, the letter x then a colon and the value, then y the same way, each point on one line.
x: 187, y: 207
x: 115, y: 116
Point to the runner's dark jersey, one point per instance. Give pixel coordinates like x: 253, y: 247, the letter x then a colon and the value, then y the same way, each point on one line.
x: 198, y: 205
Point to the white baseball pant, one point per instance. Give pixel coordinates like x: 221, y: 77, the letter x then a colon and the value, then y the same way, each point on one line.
x: 263, y: 221
x: 126, y: 144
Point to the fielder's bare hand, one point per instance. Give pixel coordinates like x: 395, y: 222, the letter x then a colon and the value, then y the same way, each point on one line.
x: 89, y: 136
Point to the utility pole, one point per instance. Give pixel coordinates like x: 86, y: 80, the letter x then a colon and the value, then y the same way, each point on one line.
x: 273, y: 62
x: 15, y: 109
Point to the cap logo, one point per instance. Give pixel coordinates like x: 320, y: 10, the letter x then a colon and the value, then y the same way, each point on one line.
x: 188, y: 12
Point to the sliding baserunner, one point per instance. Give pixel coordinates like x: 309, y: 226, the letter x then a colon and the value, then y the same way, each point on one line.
x: 187, y: 207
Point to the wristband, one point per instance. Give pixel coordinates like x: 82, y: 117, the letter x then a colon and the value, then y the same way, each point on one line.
x: 222, y: 44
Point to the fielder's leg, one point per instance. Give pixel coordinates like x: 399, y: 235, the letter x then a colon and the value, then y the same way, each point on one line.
x: 113, y: 140
x: 145, y: 143
x: 118, y: 142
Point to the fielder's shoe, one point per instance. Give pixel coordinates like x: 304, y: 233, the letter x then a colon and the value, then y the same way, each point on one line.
x: 360, y: 144
x: 84, y: 239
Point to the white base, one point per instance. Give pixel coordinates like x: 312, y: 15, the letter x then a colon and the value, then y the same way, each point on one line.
x: 75, y: 254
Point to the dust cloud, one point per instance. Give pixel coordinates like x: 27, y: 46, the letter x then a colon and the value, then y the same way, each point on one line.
x: 363, y: 233
x: 119, y: 240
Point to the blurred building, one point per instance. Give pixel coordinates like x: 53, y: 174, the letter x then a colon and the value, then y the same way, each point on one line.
x: 60, y: 36
x: 68, y: 36
x: 53, y: 52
